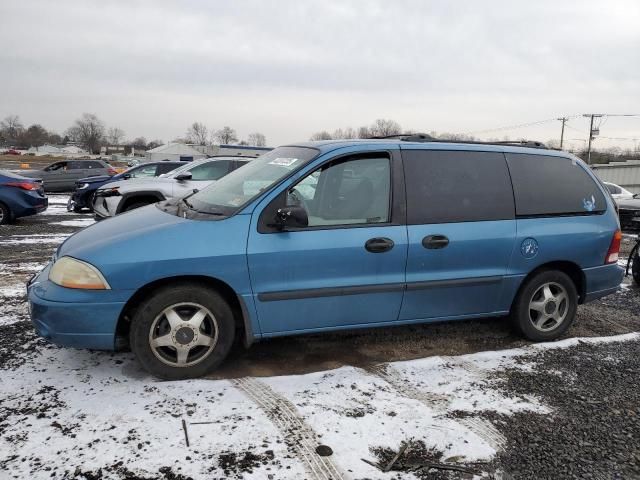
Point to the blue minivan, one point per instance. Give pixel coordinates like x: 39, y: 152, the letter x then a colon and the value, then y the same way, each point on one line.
x: 335, y: 235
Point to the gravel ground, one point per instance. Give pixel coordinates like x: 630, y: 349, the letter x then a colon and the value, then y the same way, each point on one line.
x: 570, y: 412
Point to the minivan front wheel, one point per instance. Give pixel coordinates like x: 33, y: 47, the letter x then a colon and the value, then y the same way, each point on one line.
x: 546, y: 306
x: 182, y: 332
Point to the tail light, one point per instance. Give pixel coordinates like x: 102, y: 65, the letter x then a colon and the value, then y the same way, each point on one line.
x: 614, y: 248
x: 23, y: 185
x: 111, y: 171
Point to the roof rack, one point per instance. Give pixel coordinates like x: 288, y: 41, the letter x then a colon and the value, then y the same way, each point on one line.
x: 423, y: 137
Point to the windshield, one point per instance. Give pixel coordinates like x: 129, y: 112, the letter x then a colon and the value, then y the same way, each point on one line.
x: 181, y: 168
x: 239, y: 187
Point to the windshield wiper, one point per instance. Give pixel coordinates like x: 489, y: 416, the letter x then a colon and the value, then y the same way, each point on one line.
x: 186, y: 202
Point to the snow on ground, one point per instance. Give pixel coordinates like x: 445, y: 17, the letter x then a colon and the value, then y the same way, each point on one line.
x: 80, y: 222
x: 89, y: 410
x: 34, y: 239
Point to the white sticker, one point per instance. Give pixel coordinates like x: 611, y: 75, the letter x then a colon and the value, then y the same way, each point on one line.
x: 283, y: 162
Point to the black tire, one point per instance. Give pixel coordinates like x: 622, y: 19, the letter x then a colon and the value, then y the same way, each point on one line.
x: 77, y: 209
x: 635, y: 268
x: 522, y: 315
x: 5, y: 215
x: 90, y: 199
x: 135, y: 205
x: 149, y: 316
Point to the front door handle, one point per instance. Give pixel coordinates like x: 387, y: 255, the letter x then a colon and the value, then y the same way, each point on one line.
x: 435, y: 241
x: 379, y: 245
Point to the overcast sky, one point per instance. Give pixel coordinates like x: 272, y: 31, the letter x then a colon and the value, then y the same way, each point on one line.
x: 289, y: 68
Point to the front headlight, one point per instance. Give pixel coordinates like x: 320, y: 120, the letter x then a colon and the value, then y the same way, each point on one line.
x: 71, y: 273
x: 82, y: 186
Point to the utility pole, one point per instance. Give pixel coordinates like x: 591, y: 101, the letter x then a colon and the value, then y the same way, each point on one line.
x: 592, y: 133
x: 563, y: 120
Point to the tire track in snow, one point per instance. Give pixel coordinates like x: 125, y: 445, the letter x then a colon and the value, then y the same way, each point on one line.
x: 439, y: 403
x: 299, y: 437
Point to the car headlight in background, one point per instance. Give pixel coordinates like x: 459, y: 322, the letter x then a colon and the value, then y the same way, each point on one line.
x: 82, y: 186
x: 108, y: 192
x: 71, y: 273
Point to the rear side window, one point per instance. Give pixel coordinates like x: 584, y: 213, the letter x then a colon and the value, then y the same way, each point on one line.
x: 210, y: 170
x: 545, y: 185
x: 94, y: 165
x: 456, y: 186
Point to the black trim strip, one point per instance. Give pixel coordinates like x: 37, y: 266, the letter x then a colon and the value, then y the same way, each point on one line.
x: 365, y: 289
x: 329, y: 292
x: 463, y: 282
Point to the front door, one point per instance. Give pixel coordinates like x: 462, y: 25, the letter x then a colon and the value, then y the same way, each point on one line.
x: 347, y: 267
x: 460, y: 216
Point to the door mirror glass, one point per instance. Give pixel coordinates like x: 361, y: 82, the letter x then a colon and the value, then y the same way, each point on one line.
x: 184, y: 176
x: 294, y: 217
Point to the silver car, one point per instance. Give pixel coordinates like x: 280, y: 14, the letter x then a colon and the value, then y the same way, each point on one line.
x: 122, y: 196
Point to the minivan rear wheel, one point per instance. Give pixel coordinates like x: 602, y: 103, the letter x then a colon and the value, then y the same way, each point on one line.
x: 182, y: 331
x: 546, y: 306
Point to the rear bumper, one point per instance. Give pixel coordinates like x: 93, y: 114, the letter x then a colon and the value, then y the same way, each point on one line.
x: 29, y: 204
x: 602, y: 281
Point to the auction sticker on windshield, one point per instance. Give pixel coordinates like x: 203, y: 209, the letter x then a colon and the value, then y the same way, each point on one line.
x: 284, y: 162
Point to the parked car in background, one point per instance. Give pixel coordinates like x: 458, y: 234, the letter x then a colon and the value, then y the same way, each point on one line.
x: 385, y: 232
x: 122, y: 196
x: 11, y: 151
x: 20, y: 197
x: 61, y: 176
x: 619, y: 193
x: 86, y: 187
x: 629, y: 212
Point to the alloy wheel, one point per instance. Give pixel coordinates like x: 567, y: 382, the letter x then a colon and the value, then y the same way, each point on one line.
x: 183, y: 334
x: 548, y: 306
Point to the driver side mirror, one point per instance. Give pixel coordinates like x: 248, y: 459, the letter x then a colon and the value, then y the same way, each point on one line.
x: 126, y: 176
x: 184, y: 176
x: 294, y: 216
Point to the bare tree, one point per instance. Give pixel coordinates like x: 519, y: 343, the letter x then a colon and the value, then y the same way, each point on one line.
x: 364, y: 132
x: 346, y: 133
x: 198, y: 133
x: 154, y: 144
x: 323, y: 135
x: 11, y: 127
x: 34, y: 136
x: 89, y: 131
x: 115, y: 136
x: 139, y: 143
x: 383, y: 127
x: 226, y: 135
x: 257, y: 140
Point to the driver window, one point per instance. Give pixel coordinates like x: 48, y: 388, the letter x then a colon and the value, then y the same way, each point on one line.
x: 344, y: 193
x: 57, y: 167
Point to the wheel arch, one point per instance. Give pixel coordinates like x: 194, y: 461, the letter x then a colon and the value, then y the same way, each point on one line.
x: 131, y: 197
x: 571, y: 269
x: 238, y: 307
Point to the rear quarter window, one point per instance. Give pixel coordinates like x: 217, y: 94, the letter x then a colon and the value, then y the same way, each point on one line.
x: 456, y: 186
x: 544, y: 185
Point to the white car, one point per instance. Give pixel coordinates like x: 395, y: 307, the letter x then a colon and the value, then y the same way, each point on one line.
x: 118, y: 197
x: 618, y: 193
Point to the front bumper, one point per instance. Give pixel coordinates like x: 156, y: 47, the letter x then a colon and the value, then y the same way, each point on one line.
x: 80, y: 322
x: 104, y: 207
